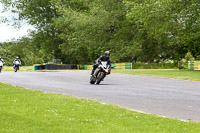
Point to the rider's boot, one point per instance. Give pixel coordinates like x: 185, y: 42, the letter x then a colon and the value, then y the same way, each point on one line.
x: 92, y: 72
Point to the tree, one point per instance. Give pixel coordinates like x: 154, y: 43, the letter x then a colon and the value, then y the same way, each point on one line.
x: 79, y: 31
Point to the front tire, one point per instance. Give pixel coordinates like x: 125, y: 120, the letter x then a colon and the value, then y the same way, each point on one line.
x: 0, y: 68
x: 100, y: 77
x: 16, y: 68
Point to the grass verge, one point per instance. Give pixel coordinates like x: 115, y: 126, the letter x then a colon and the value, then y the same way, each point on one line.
x: 169, y: 73
x: 23, y: 110
x: 22, y: 68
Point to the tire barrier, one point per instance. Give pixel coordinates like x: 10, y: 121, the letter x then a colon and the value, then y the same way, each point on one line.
x: 194, y: 65
x: 79, y: 67
x: 85, y: 67
x: 126, y: 65
x: 114, y: 66
x: 54, y: 67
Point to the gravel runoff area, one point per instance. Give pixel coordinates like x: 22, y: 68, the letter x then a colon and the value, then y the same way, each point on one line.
x: 166, y: 97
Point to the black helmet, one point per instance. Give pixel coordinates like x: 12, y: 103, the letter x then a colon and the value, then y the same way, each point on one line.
x: 107, y: 53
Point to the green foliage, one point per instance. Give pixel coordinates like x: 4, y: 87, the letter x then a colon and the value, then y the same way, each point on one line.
x: 79, y: 31
x: 6, y: 54
x: 189, y: 56
x: 198, y: 57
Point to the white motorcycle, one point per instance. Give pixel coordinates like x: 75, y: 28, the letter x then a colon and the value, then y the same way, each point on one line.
x: 16, y: 66
x: 100, y: 73
x: 1, y: 66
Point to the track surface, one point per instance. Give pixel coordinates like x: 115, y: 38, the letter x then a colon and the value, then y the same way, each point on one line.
x: 168, y: 97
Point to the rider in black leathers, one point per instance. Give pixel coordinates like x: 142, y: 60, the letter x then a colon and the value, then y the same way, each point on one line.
x: 105, y: 57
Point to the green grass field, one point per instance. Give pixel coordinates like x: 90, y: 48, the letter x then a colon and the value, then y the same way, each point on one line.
x: 23, y: 110
x: 169, y: 73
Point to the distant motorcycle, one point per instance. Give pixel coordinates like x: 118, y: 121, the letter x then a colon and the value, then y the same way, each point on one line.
x: 100, y: 73
x: 16, y: 66
x: 1, y: 66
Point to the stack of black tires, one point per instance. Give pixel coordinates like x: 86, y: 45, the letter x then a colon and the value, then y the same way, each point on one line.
x: 54, y: 67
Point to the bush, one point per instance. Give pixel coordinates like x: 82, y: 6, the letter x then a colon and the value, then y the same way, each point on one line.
x: 155, y: 65
x: 198, y: 57
x: 189, y: 56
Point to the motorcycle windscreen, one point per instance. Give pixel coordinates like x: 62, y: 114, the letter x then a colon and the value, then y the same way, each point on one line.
x: 104, y: 64
x: 1, y: 63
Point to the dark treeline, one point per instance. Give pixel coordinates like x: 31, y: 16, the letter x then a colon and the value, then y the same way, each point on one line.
x: 78, y: 31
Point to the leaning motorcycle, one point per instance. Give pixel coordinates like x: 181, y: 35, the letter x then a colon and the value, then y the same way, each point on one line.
x: 1, y: 66
x: 100, y: 73
x: 16, y: 66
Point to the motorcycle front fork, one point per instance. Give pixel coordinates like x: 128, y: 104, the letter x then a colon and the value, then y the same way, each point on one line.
x: 97, y: 71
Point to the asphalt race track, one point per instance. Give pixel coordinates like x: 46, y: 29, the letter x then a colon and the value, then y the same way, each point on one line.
x: 167, y: 97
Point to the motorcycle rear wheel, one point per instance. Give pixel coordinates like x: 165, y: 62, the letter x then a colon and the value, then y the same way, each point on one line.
x: 92, y: 81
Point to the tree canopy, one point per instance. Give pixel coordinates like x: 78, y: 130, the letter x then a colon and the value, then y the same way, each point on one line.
x: 78, y: 31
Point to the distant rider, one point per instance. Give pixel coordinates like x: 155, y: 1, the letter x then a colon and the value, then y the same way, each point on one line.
x: 17, y: 59
x: 1, y: 60
x: 105, y: 57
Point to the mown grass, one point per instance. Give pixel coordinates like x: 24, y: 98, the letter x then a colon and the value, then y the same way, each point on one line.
x: 169, y: 73
x: 22, y: 68
x: 23, y: 110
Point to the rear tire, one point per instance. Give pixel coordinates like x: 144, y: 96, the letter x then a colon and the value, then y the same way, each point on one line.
x: 92, y: 81
x: 0, y: 68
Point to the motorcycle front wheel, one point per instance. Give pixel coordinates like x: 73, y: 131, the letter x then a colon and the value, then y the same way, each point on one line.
x: 100, y: 77
x: 16, y: 68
